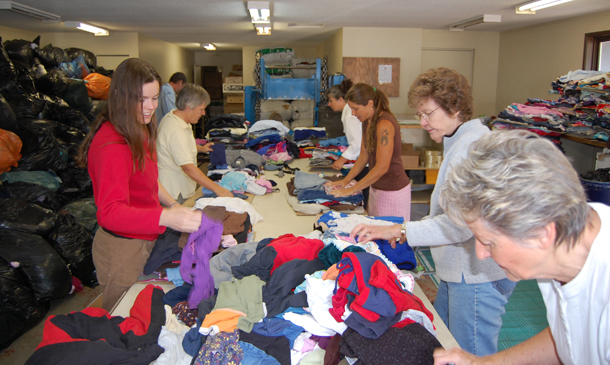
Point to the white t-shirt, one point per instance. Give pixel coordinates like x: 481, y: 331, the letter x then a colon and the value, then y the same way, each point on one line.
x: 353, y: 132
x: 176, y: 146
x: 579, y: 311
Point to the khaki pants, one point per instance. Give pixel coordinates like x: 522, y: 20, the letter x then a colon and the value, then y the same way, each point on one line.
x: 118, y: 263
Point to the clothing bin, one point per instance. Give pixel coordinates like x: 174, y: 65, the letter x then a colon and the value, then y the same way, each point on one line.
x: 597, y: 191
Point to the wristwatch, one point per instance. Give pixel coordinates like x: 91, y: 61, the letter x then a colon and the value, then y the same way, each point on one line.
x: 403, y: 232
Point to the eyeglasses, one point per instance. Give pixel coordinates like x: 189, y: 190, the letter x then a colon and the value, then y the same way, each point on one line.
x: 426, y: 116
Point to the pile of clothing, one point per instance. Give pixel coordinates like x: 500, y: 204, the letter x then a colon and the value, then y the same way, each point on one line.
x: 227, y: 128
x: 308, y: 194
x: 582, y: 109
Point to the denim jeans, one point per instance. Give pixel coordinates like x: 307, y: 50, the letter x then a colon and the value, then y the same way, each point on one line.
x: 473, y: 312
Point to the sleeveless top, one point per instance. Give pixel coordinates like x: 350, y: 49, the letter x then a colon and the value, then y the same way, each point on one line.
x: 395, y: 178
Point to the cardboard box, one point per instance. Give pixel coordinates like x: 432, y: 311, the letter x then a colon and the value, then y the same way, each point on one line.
x: 232, y: 87
x: 235, y: 99
x: 410, y: 158
x: 234, y: 108
x: 234, y: 80
x: 237, y: 68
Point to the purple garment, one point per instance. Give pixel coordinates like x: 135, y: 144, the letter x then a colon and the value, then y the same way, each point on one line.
x: 195, y: 264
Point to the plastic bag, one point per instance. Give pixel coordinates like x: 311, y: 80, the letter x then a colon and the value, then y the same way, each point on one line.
x: 98, y: 86
x: 51, y: 56
x: 66, y: 115
x: 21, y: 216
x: 84, y: 210
x: 54, y: 83
x: 77, y: 96
x: 47, y: 273
x: 76, y: 68
x: 30, y: 193
x: 47, y: 179
x: 76, y: 184
x: 7, y: 70
x: 19, y: 311
x: 40, y: 151
x: 21, y: 50
x: 88, y: 56
x: 97, y: 108
x: 25, y: 105
x: 73, y: 243
x: 10, y: 148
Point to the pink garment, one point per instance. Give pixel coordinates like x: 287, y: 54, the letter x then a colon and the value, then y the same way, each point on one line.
x: 390, y: 203
x: 228, y: 241
x: 329, y: 189
x: 281, y: 156
x: 536, y: 110
x: 266, y: 184
x: 200, y: 141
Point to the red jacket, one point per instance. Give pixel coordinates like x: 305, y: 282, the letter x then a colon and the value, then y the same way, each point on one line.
x: 127, y: 199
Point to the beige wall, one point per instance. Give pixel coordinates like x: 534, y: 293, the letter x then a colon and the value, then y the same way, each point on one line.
x: 404, y: 43
x: 110, y: 50
x: 333, y: 49
x: 486, y: 46
x: 167, y: 58
x: 531, y: 58
x: 8, y: 34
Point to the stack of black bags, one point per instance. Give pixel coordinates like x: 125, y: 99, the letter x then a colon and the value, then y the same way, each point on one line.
x: 47, y: 214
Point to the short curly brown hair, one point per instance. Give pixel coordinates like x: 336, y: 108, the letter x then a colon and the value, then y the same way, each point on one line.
x: 447, y: 87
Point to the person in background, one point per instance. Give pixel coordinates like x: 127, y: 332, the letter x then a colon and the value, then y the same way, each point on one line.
x: 390, y: 192
x: 351, y: 125
x: 167, y: 98
x: 525, y: 204
x: 471, y: 294
x: 177, y: 149
x: 119, y: 153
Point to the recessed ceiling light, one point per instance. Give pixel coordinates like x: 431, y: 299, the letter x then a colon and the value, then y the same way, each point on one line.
x: 209, y: 46
x: 87, y: 28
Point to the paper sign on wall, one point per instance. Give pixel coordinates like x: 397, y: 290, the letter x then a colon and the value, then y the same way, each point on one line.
x: 385, y: 74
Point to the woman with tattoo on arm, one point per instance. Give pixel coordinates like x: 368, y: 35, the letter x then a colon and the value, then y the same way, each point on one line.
x: 472, y: 293
x: 390, y: 188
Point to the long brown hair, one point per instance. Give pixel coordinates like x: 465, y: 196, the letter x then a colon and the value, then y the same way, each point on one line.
x: 339, y: 91
x: 123, y: 112
x: 361, y: 94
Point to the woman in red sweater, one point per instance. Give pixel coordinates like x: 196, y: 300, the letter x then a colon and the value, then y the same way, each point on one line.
x: 119, y: 153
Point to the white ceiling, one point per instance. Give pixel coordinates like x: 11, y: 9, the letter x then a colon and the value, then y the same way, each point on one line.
x: 226, y: 23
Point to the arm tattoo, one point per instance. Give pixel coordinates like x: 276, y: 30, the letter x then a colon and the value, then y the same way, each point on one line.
x: 384, y: 137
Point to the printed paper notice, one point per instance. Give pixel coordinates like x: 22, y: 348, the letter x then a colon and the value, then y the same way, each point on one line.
x: 385, y: 74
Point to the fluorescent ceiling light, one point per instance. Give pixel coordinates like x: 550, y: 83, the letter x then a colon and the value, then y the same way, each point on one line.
x: 297, y: 25
x: 29, y: 11
x: 531, y: 6
x: 87, y: 28
x: 486, y: 18
x: 261, y: 30
x: 209, y: 46
x: 260, y: 12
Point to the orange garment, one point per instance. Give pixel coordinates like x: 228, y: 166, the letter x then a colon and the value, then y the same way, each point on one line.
x: 220, y: 320
x: 331, y: 273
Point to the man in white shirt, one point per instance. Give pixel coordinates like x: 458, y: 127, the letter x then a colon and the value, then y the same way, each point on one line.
x: 177, y: 149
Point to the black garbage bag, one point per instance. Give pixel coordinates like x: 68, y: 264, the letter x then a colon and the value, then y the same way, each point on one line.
x: 25, y: 76
x: 84, y: 210
x: 21, y: 50
x: 51, y: 56
x: 76, y: 184
x: 103, y: 71
x: 21, y: 216
x: 97, y: 107
x: 90, y: 58
x: 40, y: 151
x: 10, y: 88
x: 77, y: 96
x: 30, y: 193
x: 28, y: 105
x: 46, y: 271
x: 73, y: 243
x: 54, y: 83
x: 65, y: 115
x: 8, y: 121
x: 7, y: 70
x: 19, y: 311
